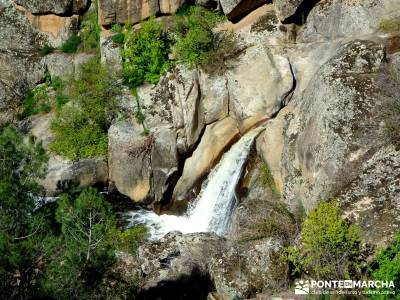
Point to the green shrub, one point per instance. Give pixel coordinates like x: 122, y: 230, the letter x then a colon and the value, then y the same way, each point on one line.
x: 140, y: 117
x: 387, y: 268
x: 46, y: 50
x: 71, y: 45
x: 80, y: 129
x: 145, y: 56
x: 329, y: 245
x: 118, y: 38
x: 130, y: 239
x: 194, y: 35
x: 36, y: 101
x: 83, y: 259
x: 117, y: 28
x: 41, y: 98
x: 268, y: 179
x: 90, y: 33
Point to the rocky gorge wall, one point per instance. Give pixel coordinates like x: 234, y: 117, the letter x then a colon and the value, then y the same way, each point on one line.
x: 323, y: 76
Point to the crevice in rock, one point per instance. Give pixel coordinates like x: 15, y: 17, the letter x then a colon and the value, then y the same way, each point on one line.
x: 68, y: 13
x: 195, y: 286
x: 289, y: 95
x: 302, y: 12
x: 244, y: 8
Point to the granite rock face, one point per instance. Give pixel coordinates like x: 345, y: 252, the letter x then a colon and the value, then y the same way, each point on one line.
x: 332, y: 139
x: 20, y: 67
x: 111, y: 12
x: 235, y: 9
x: 214, y: 142
x: 58, y: 7
x: 286, y: 8
x: 336, y: 19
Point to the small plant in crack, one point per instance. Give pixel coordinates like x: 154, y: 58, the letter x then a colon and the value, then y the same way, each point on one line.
x: 140, y: 117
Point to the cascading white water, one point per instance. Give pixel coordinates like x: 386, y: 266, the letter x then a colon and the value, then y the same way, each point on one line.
x: 212, y: 209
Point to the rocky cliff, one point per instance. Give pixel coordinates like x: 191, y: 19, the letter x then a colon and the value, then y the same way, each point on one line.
x: 323, y: 77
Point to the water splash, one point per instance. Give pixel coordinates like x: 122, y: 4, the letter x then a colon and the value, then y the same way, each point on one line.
x: 212, y: 209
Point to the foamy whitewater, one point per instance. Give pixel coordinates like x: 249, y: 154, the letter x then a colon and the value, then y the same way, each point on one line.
x: 212, y: 209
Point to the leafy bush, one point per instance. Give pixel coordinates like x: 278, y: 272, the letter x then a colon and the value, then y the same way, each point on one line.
x: 90, y: 33
x: 387, y: 268
x: 22, y: 229
x: 118, y: 38
x: 117, y: 28
x: 329, y: 245
x: 71, y: 45
x: 194, y: 35
x: 145, y: 56
x: 268, y: 179
x: 130, y: 239
x: 46, y: 50
x: 80, y: 129
x: 41, y: 98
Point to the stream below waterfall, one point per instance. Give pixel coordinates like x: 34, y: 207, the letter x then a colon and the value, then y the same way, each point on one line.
x: 212, y: 209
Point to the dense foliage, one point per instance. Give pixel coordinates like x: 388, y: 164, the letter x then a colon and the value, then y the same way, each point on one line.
x: 84, y: 251
x: 21, y: 230
x: 191, y: 41
x: 90, y: 30
x: 71, y: 45
x: 145, y: 56
x: 387, y: 268
x: 194, y: 36
x: 329, y: 245
x: 44, y: 97
x: 80, y: 128
x: 67, y: 253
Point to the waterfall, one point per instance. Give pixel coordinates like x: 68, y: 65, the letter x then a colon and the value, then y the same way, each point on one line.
x: 212, y: 209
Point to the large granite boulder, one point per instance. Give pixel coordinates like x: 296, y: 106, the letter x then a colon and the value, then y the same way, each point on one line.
x: 57, y: 29
x: 259, y: 83
x: 142, y: 166
x: 175, y: 256
x: 63, y: 174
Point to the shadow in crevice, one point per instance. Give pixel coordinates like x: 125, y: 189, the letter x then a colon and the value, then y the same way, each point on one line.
x: 302, y: 12
x: 195, y: 286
